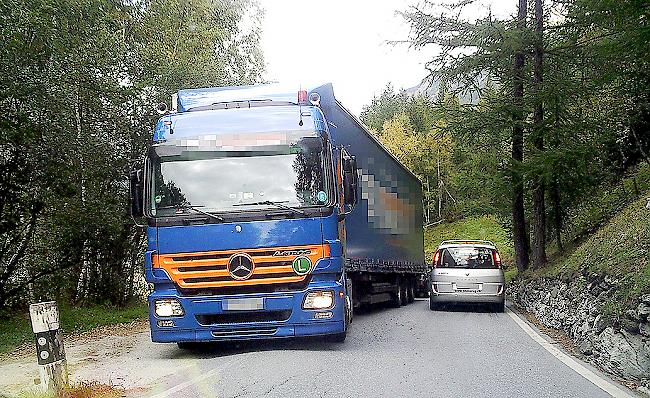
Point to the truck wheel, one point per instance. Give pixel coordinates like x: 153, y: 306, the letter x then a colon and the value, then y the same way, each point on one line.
x: 187, y: 345
x: 337, y: 337
x: 397, y: 299
x: 411, y: 291
x: 403, y: 286
x: 340, y: 337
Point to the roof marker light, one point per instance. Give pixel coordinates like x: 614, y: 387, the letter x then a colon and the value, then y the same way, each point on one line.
x: 302, y: 97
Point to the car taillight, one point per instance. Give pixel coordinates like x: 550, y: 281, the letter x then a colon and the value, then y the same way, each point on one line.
x: 436, y: 258
x: 497, y: 259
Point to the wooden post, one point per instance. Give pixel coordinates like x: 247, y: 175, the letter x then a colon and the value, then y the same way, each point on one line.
x: 53, y: 368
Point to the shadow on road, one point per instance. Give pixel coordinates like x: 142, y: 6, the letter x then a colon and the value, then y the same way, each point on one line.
x: 465, y: 307
x: 316, y: 343
x: 221, y: 349
x: 380, y: 307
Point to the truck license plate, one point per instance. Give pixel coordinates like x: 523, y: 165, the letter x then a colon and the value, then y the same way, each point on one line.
x: 248, y: 304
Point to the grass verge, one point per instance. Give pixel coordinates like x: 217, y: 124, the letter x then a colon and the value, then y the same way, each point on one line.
x: 16, y: 329
x: 620, y: 249
x: 80, y: 390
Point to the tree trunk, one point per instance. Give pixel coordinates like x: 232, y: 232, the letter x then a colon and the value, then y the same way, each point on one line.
x: 439, y: 188
x: 539, y: 207
x: 557, y: 210
x: 520, y: 236
x: 82, y: 280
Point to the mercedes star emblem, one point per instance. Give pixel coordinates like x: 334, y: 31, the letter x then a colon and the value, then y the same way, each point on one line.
x: 241, y: 266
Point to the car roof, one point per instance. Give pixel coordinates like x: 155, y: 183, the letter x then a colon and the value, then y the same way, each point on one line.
x: 467, y: 242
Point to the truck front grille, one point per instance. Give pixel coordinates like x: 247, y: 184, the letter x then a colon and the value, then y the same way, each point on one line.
x: 203, y: 270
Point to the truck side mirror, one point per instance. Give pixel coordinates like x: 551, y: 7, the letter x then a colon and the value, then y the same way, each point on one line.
x: 350, y: 179
x: 136, y: 192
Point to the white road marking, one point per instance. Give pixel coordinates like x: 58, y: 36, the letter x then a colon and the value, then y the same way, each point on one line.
x: 598, y: 381
x: 194, y: 381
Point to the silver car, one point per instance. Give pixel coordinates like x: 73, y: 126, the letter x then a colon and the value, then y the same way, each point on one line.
x: 467, y: 271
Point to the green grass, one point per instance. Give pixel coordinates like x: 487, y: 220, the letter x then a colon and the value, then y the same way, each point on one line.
x: 484, y: 227
x: 621, y: 249
x: 16, y: 329
x: 596, y: 211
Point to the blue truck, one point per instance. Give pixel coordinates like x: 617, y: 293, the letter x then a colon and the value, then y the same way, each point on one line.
x: 271, y: 213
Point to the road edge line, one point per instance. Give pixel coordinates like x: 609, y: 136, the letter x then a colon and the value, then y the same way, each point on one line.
x: 603, y: 384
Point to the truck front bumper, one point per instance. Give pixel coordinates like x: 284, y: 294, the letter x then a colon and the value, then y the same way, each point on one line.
x: 206, y: 319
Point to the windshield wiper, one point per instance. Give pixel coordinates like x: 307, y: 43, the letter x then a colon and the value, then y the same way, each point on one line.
x: 271, y: 203
x: 195, y: 208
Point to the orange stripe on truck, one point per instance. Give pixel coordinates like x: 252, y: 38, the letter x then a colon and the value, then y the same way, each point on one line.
x: 210, y: 269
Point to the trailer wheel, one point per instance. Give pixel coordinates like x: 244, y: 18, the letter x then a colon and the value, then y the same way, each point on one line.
x: 397, y: 298
x: 403, y: 286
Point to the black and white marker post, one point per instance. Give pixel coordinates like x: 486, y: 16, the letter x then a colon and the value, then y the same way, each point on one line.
x: 52, y: 367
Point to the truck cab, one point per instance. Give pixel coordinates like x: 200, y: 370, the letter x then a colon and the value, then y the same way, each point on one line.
x: 245, y: 198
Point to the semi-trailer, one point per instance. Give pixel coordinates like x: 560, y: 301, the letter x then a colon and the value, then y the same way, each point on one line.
x: 271, y: 213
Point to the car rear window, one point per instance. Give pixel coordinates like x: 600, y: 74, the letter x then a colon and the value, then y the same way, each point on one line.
x: 467, y: 257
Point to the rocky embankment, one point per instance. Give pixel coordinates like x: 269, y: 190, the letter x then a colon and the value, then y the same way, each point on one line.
x: 579, y: 307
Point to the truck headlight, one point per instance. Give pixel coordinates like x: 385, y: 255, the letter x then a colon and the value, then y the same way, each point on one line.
x: 168, y: 307
x: 319, y: 300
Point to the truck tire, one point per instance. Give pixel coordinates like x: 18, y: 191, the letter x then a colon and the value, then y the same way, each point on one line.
x: 403, y: 285
x: 337, y: 337
x: 187, y: 345
x: 397, y: 299
x: 411, y: 290
x: 340, y: 337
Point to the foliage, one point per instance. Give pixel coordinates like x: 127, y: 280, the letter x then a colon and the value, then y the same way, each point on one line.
x: 484, y: 227
x: 80, y: 81
x: 16, y: 327
x: 383, y: 108
x: 620, y: 249
x: 604, y: 202
x: 593, y: 94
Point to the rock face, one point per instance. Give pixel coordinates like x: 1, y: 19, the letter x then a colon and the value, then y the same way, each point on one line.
x: 621, y: 346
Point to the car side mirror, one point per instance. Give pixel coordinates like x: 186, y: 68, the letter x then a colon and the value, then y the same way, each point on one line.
x: 136, y: 192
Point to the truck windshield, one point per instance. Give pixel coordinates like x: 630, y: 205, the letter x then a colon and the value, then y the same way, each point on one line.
x: 239, y: 181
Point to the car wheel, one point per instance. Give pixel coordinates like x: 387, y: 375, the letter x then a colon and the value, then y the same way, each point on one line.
x: 499, y: 307
x: 433, y: 306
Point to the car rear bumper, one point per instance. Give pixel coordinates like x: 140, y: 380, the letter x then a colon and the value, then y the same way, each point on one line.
x: 463, y: 297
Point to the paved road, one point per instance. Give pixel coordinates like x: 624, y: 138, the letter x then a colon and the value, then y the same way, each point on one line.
x: 406, y: 352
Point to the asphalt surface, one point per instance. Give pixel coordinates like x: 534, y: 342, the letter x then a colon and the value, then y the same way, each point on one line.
x: 405, y: 352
